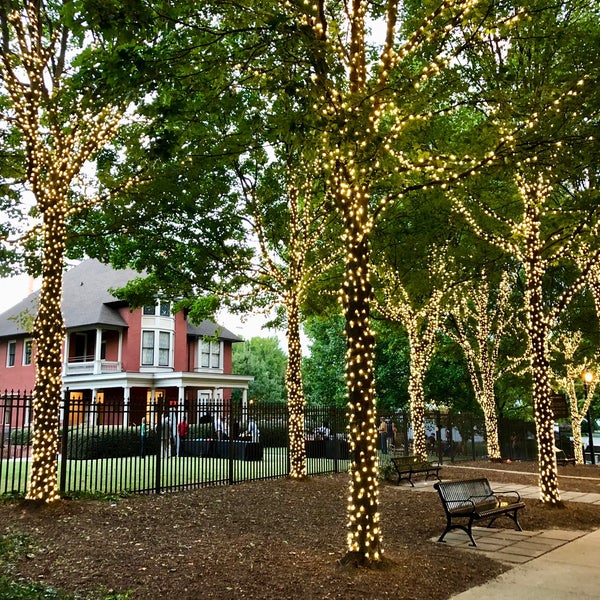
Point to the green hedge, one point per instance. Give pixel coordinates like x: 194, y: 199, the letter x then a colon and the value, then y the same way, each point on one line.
x: 85, y: 443
x: 21, y: 437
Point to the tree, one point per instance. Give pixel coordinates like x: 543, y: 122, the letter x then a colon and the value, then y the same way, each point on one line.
x: 60, y: 112
x: 541, y: 208
x: 421, y: 318
x: 569, y: 344
x: 479, y: 319
x: 266, y: 362
x: 323, y: 368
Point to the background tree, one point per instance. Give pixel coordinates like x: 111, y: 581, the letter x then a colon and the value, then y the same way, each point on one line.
x: 60, y: 112
x: 479, y: 319
x: 421, y: 317
x: 264, y: 359
x: 323, y: 368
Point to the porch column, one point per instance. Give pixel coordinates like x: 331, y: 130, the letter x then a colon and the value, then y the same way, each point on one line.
x: 245, y: 398
x: 98, y: 352
x: 126, y: 398
x: 65, y: 358
x: 93, y: 418
x: 120, y: 351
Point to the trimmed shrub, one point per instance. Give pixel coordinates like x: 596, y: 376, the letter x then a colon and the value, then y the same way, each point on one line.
x: 85, y: 443
x: 21, y: 437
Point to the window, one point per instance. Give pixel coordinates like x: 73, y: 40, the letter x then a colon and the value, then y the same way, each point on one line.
x: 164, y: 339
x: 210, y: 354
x: 165, y: 309
x: 11, y: 353
x: 156, y: 348
x: 150, y: 310
x: 27, y: 352
x: 147, y: 347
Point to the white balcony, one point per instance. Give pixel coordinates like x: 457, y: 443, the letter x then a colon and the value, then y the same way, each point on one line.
x: 91, y: 367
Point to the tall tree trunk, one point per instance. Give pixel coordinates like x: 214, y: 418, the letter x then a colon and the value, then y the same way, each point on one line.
x: 540, y: 369
x: 417, y: 404
x: 491, y: 430
x: 49, y: 335
x: 364, y: 535
x: 296, y: 400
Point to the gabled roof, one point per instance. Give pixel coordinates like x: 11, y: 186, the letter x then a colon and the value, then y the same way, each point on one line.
x: 87, y: 302
x: 209, y: 329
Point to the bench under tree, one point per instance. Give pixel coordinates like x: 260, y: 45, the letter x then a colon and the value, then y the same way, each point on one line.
x: 407, y: 466
x: 470, y: 500
x: 562, y: 459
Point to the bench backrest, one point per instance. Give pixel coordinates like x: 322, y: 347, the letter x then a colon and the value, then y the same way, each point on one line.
x: 461, y: 494
x: 406, y: 461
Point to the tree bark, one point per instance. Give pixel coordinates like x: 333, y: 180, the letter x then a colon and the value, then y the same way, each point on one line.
x: 49, y: 336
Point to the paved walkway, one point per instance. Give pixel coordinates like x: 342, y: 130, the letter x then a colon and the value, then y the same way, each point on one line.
x: 548, y: 565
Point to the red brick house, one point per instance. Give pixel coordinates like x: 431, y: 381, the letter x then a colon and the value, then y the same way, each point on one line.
x: 122, y: 358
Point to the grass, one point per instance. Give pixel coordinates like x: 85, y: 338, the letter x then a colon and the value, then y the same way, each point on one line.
x: 134, y: 474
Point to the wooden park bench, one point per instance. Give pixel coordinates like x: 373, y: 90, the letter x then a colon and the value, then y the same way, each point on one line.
x: 407, y: 466
x: 471, y: 500
x: 562, y: 459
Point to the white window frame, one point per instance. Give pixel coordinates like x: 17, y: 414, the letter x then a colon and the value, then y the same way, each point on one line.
x: 27, y: 352
x: 209, y: 351
x: 161, y: 348
x: 147, y: 349
x: 11, y: 357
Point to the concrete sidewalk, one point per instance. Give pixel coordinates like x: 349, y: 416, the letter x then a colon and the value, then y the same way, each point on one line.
x: 570, y: 571
x: 547, y: 565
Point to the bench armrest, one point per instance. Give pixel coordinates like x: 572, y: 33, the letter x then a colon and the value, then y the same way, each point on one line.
x: 507, y: 492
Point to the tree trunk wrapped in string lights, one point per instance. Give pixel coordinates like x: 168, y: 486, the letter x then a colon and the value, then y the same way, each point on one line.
x: 58, y: 136
x: 478, y: 324
x: 422, y: 326
x: 49, y: 334
x: 568, y: 344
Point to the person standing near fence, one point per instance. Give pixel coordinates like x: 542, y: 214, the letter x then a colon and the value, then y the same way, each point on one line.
x: 166, y: 433
x: 383, y: 436
x: 182, y: 432
x: 143, y: 433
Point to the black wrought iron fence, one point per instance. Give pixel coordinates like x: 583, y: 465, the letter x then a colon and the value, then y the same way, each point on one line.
x: 105, y: 448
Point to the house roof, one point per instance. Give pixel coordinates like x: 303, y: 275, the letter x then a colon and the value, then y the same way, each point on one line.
x: 87, y: 301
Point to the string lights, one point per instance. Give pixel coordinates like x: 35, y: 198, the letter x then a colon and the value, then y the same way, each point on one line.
x: 422, y: 326
x: 480, y: 317
x: 568, y: 345
x: 58, y: 140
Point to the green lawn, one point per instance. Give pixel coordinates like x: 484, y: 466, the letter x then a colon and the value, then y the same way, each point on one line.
x: 133, y: 474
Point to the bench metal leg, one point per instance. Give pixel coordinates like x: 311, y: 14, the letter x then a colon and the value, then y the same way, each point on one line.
x: 466, y: 528
x: 512, y: 515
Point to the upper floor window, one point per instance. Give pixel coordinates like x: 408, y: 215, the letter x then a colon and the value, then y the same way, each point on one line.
x: 27, y: 352
x: 163, y: 309
x: 11, y: 353
x: 156, y: 348
x: 210, y: 354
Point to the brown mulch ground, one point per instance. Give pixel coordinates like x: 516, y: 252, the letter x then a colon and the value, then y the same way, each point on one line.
x: 268, y: 540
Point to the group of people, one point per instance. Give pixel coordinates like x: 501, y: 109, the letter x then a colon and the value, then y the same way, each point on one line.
x: 251, y: 434
x: 172, y: 437
x: 387, y: 434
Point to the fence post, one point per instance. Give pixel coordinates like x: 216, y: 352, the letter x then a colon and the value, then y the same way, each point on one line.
x: 64, y: 443
x: 230, y: 444
x: 159, y: 409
